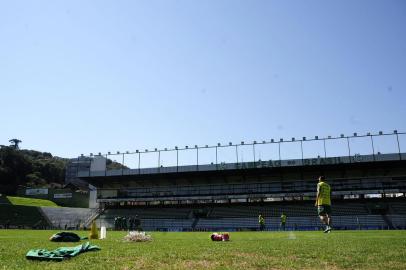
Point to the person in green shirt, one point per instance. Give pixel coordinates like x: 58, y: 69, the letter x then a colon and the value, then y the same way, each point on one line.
x: 283, y: 221
x: 323, y: 203
x: 261, y: 221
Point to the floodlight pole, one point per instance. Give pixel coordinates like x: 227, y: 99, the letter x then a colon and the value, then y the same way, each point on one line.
x: 159, y: 161
x: 105, y: 169
x: 279, y: 144
x: 216, y: 158
x: 397, y: 139
x: 139, y: 162
x: 122, y: 166
x: 236, y: 152
x: 177, y: 160
x: 90, y: 166
x: 301, y: 148
x: 373, y: 148
x: 324, y: 145
x: 197, y: 158
x: 253, y: 150
x: 349, y: 149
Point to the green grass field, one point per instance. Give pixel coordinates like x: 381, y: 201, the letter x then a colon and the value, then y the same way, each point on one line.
x: 246, y: 250
x: 30, y: 202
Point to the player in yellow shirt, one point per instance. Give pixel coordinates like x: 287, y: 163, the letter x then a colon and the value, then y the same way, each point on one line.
x: 323, y: 203
x: 261, y: 221
x: 283, y: 221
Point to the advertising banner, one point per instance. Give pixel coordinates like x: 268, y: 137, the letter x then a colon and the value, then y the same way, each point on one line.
x: 36, y: 191
x: 63, y: 196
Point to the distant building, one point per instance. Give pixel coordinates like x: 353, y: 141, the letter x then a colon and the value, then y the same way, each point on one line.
x: 74, y: 166
x: 84, y: 164
x: 80, y: 164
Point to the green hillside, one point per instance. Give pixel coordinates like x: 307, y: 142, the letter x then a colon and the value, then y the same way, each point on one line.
x: 34, y: 169
x: 30, y: 201
x: 29, y: 168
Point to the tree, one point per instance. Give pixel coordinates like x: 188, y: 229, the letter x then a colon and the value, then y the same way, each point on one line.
x: 29, y: 168
x: 15, y: 143
x: 14, y: 166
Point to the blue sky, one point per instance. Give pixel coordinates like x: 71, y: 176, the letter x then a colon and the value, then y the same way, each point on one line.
x: 96, y: 76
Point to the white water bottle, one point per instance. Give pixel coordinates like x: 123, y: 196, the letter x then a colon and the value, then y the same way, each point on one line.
x: 103, y: 232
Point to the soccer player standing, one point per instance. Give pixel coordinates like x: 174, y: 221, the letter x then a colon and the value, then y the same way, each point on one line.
x: 323, y: 203
x: 261, y: 221
x: 283, y: 221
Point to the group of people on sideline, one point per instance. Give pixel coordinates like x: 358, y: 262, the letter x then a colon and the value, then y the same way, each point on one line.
x: 127, y: 223
x: 282, y: 224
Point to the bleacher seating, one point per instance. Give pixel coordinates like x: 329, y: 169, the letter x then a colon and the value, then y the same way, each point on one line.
x: 398, y: 208
x: 295, y: 209
x: 66, y: 217
x: 239, y: 216
x: 398, y: 221
x: 17, y: 216
x: 272, y: 224
x: 295, y: 223
x: 153, y: 212
x: 4, y: 200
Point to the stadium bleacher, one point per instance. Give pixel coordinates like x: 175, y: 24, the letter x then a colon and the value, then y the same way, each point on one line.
x: 66, y: 217
x: 398, y: 208
x: 3, y: 199
x: 301, y: 216
x: 157, y: 212
x: 232, y: 217
x: 368, y: 192
x: 398, y: 221
x: 17, y: 216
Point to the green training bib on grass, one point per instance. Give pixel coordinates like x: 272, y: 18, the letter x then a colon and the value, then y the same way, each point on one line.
x: 59, y: 254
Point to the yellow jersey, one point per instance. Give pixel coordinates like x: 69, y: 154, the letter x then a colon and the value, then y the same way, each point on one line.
x: 324, y: 191
x: 283, y: 218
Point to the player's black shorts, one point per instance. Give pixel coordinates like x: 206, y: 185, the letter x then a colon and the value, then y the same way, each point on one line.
x: 324, y: 209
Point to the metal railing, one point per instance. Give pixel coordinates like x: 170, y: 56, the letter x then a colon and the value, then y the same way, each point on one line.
x: 122, y: 165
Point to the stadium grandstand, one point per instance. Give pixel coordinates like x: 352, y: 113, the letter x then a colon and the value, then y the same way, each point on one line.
x: 226, y: 187
x: 368, y: 185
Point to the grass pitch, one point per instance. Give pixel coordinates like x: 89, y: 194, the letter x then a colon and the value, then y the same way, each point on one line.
x: 246, y: 250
